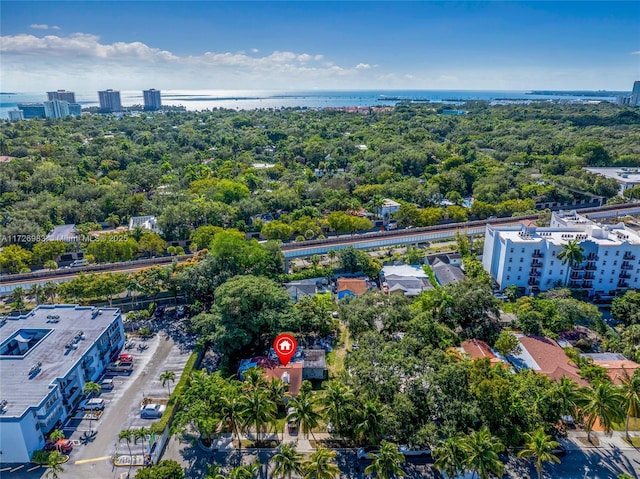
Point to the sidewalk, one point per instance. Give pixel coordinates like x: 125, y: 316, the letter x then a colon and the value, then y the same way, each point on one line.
x: 615, y: 440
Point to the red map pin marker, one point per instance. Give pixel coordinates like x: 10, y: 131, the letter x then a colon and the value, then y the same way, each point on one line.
x: 285, y: 347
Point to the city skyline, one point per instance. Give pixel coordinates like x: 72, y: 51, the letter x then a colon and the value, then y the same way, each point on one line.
x: 320, y: 45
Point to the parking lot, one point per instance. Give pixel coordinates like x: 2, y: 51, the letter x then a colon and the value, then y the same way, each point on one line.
x: 96, y: 441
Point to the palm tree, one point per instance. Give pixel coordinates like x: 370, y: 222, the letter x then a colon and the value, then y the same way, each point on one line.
x: 276, y: 389
x: 482, y: 453
x: 247, y: 471
x: 287, y: 462
x: 566, y: 395
x: 54, y: 464
x: 215, y: 472
x: 604, y: 403
x: 56, y: 435
x: 337, y: 402
x: 386, y: 464
x: 166, y: 377
x: 572, y: 254
x: 631, y: 396
x: 50, y: 290
x: 141, y: 434
x: 451, y: 456
x: 368, y: 427
x: 253, y: 379
x: 304, y: 414
x: 540, y: 446
x: 320, y: 465
x: 89, y: 389
x: 18, y: 295
x: 258, y: 410
x: 332, y: 255
x: 232, y: 412
x: 37, y: 291
x: 127, y: 435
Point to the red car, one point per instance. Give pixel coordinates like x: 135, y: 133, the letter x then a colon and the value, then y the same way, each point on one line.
x: 62, y: 445
x: 125, y: 358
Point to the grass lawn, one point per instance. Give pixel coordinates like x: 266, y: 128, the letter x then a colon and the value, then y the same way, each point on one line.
x: 635, y: 441
x: 634, y: 425
x: 335, y: 359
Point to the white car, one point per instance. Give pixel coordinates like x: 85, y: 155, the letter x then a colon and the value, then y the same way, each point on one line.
x: 412, y: 451
x: 363, y: 452
x: 93, y: 404
x: 152, y: 411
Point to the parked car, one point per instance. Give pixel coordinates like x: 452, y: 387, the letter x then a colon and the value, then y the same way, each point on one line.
x: 160, y: 311
x: 413, y: 451
x: 119, y: 367
x: 180, y: 311
x: 125, y: 358
x: 363, y: 452
x: 152, y: 411
x: 93, y: 404
x: 63, y: 445
x: 106, y: 384
x: 79, y: 262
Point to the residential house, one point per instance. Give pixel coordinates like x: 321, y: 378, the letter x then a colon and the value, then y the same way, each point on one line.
x: 349, y: 287
x: 146, y: 222
x: 615, y: 364
x: 446, y: 268
x: 404, y: 279
x: 478, y: 349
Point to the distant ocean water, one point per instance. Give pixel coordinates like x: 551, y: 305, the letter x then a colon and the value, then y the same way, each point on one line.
x: 194, y: 100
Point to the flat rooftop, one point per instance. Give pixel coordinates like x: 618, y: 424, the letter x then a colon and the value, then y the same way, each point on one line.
x: 629, y: 176
x: 57, y: 326
x: 601, y: 235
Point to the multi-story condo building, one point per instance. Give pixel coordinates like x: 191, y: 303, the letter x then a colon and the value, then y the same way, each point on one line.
x: 635, y: 93
x: 109, y: 101
x: 56, y: 108
x: 527, y: 256
x: 64, y: 95
x: 152, y: 99
x: 46, y: 357
x: 32, y: 110
x: 16, y: 115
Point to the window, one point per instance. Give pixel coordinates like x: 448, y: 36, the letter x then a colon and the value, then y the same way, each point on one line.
x: 551, y: 263
x: 617, y: 252
x: 511, y: 250
x: 561, y: 271
x: 610, y: 280
x: 615, y: 263
x: 523, y: 250
x: 550, y: 272
x: 509, y: 268
x: 553, y: 253
x: 522, y: 260
x: 520, y: 268
x: 510, y: 260
x: 606, y: 253
x: 613, y: 271
x: 518, y: 278
x: 604, y: 263
x: 601, y: 271
x: 508, y: 278
x: 600, y: 280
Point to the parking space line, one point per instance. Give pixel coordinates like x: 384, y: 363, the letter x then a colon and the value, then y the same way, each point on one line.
x: 5, y: 469
x: 95, y: 459
x: 33, y: 468
x: 17, y: 468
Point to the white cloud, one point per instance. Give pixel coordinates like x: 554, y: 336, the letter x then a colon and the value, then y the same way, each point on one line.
x: 636, y: 53
x: 43, y: 26
x: 34, y: 59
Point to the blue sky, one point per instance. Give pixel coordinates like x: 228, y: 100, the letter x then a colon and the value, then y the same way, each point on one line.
x: 319, y: 45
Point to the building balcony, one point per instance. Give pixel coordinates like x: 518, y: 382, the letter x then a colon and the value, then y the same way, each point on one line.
x: 578, y: 267
x: 589, y: 275
x: 624, y: 275
x: 627, y: 266
x: 623, y: 284
x: 591, y: 267
x: 534, y: 272
x: 629, y: 256
x: 592, y: 257
x: 534, y: 282
x: 536, y: 264
x: 537, y: 254
x: 576, y: 275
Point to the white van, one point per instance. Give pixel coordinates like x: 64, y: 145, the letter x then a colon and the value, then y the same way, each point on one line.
x: 79, y: 262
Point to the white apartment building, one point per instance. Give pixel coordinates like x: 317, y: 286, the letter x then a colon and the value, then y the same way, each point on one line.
x: 527, y: 256
x: 46, y: 357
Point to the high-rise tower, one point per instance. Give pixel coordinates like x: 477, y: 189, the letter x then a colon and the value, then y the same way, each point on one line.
x: 109, y: 101
x: 152, y: 99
